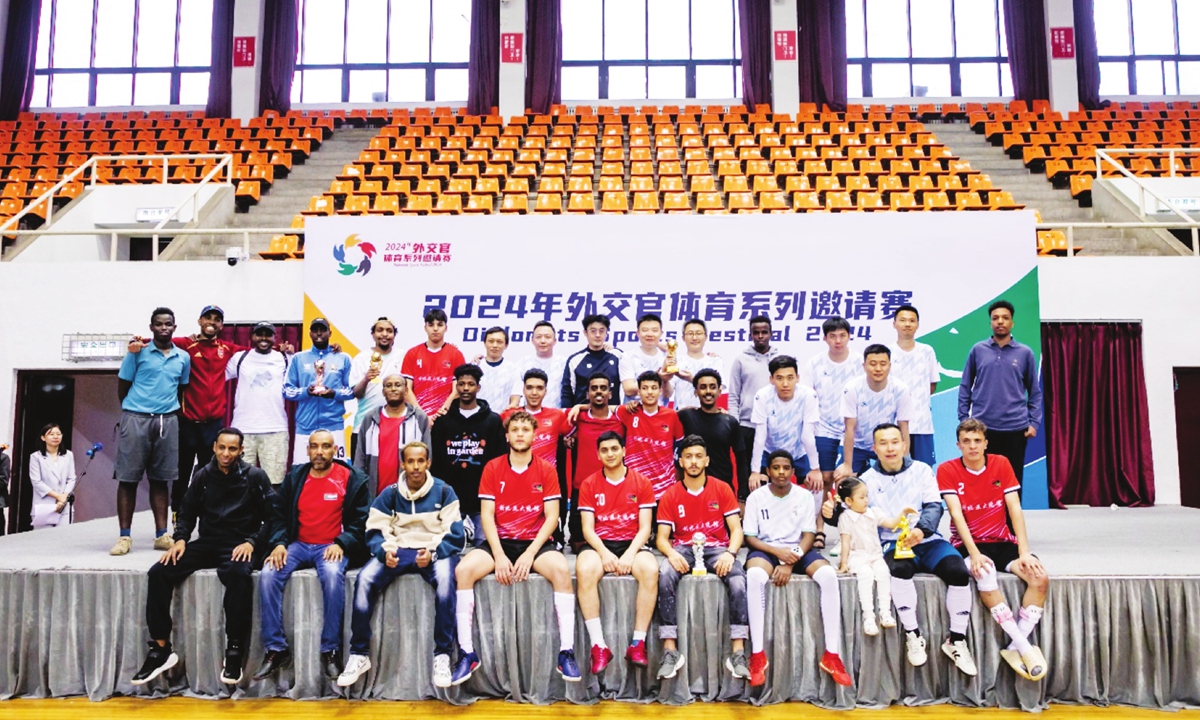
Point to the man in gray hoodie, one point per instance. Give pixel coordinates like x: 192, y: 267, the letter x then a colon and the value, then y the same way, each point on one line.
x: 385, y: 431
x: 747, y: 376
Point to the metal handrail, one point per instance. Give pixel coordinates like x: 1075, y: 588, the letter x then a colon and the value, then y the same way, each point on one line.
x: 1102, y: 156
x: 1070, y: 227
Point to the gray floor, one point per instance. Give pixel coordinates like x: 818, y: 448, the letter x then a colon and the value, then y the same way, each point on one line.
x: 1084, y: 542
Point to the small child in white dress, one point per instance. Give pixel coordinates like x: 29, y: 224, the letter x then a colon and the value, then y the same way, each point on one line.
x: 862, y: 553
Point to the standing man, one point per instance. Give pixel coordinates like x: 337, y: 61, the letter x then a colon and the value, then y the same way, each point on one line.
x: 431, y: 366
x: 749, y: 374
x: 598, y: 418
x: 647, y: 357
x: 827, y: 374
x: 319, y: 406
x: 729, y: 460
x: 683, y: 386
x: 551, y: 422
x: 235, y: 506
x: 258, y: 409
x: 694, y: 506
x: 149, y: 386
x: 464, y: 441
x: 385, y: 431
x: 370, y: 367
x: 544, y: 359
x: 414, y: 527
x: 592, y: 359
x: 867, y: 403
x: 916, y: 365
x: 651, y: 432
x: 1000, y: 389
x: 323, y: 507
x: 785, y: 418
x: 500, y: 375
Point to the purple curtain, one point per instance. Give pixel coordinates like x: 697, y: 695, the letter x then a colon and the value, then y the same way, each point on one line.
x: 757, y: 47
x: 280, y: 26
x: 220, y: 79
x: 543, y: 54
x: 1025, y: 22
x: 821, y: 51
x: 20, y: 55
x: 1087, y: 57
x: 483, y: 69
x: 1097, y: 423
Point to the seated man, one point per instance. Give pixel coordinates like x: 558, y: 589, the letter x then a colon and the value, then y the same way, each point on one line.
x: 235, y: 518
x: 518, y: 497
x: 414, y: 527
x: 323, y: 508
x: 616, y: 507
x: 780, y: 529
x: 980, y: 491
x: 690, y: 510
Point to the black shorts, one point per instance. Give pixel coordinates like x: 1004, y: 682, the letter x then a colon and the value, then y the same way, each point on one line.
x: 807, y: 559
x: 1002, y: 554
x: 513, y: 549
x: 616, y: 547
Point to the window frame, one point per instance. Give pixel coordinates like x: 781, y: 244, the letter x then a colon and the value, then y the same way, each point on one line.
x: 1131, y: 60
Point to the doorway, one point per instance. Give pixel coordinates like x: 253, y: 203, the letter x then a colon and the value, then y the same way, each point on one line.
x: 1187, y: 433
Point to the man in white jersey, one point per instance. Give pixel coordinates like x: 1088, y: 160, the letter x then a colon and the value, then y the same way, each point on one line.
x: 695, y: 334
x: 916, y: 365
x: 647, y: 357
x: 868, y: 402
x: 827, y: 374
x: 258, y: 409
x: 785, y: 418
x: 544, y: 359
x: 499, y: 373
x: 368, y: 370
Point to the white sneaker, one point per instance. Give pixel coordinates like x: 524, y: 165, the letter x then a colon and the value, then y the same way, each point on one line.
x: 356, y: 667
x: 869, y: 626
x: 886, y: 620
x: 915, y: 645
x: 1035, y: 663
x: 961, y: 655
x: 441, y: 671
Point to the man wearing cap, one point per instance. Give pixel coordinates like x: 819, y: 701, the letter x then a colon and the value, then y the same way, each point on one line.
x: 320, y: 403
x: 258, y: 409
x: 385, y: 431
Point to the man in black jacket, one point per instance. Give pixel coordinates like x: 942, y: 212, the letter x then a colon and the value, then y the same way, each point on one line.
x: 464, y: 440
x: 236, y: 506
x: 323, y: 506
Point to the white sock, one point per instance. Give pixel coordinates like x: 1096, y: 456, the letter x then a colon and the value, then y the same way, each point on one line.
x: 564, y: 605
x: 958, y: 605
x: 756, y: 603
x: 1027, y: 620
x: 904, y: 594
x: 639, y: 636
x: 831, y: 608
x: 465, y: 615
x: 595, y: 632
x: 1004, y: 618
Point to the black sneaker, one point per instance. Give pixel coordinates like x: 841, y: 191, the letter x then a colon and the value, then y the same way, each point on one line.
x: 273, y: 662
x: 159, y: 660
x: 231, y: 673
x: 331, y: 663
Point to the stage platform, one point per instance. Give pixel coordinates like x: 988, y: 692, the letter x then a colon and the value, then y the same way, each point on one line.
x: 1122, y: 626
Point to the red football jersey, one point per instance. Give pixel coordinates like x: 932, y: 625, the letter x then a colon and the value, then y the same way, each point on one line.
x: 688, y: 514
x: 616, y: 505
x: 587, y: 433
x: 520, y: 497
x: 981, y: 496
x: 650, y: 444
x: 552, y: 425
x: 432, y: 372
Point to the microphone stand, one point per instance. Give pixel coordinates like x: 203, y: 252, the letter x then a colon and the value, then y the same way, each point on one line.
x: 91, y: 455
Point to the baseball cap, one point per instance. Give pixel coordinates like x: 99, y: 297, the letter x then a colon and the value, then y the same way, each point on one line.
x: 212, y: 308
x: 318, y: 321
x: 263, y: 326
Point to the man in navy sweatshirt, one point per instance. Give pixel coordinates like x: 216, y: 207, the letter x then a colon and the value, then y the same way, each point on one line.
x: 592, y: 359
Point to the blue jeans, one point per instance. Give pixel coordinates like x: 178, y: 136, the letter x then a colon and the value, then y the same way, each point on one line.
x: 332, y: 576
x: 375, y: 576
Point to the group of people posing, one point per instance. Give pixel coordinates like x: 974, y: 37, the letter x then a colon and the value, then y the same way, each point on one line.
x: 460, y: 470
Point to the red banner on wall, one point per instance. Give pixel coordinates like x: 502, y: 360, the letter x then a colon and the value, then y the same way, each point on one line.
x: 1062, y: 43
x: 785, y: 44
x: 243, y: 51
x: 510, y: 47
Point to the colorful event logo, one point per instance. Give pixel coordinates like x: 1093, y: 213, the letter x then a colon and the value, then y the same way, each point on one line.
x: 366, y: 249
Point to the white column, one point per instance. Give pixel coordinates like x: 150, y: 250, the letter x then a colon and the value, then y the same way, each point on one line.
x: 248, y: 22
x: 512, y: 74
x: 785, y: 74
x: 1064, y: 85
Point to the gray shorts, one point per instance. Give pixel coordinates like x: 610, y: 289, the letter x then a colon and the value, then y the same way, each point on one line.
x: 149, y: 445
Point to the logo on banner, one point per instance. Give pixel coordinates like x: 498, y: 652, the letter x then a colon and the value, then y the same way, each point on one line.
x: 358, y: 248
x: 417, y: 253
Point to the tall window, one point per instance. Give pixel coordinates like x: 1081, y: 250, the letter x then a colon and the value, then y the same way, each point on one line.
x: 934, y: 48
x: 650, y: 49
x: 1143, y: 50
x: 123, y: 52
x: 364, y: 51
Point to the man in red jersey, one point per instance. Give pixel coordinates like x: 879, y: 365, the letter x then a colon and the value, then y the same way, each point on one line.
x: 551, y: 422
x: 431, y: 366
x: 616, y: 507
x: 589, y: 423
x: 651, y: 432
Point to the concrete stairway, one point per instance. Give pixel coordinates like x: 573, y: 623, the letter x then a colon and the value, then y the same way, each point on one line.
x: 287, y: 196
x: 1055, y: 205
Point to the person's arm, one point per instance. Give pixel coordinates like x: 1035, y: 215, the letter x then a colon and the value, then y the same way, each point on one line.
x: 359, y: 461
x: 269, y: 507
x: 815, y: 479
x: 725, y: 562
x: 35, y: 476
x: 566, y: 392
x: 185, y: 519
x: 978, y: 562
x: 1034, y: 391
x: 846, y: 468
x: 455, y: 537
x: 966, y: 386
x: 844, y: 563
x: 360, y: 382
x: 741, y: 453
x: 126, y: 375
x: 346, y: 391
x: 735, y: 392
x: 291, y: 381
x: 381, y: 538
x: 629, y: 384
x: 1016, y: 516
x: 893, y: 523
x: 354, y: 517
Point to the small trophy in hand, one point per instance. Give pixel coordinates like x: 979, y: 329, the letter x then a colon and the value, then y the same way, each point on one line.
x: 376, y: 365
x: 903, y: 551
x: 672, y: 364
x: 698, y: 540
x: 318, y: 387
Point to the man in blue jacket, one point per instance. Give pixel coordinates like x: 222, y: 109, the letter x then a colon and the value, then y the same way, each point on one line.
x: 319, y: 405
x: 414, y: 527
x: 322, y: 523
x: 594, y: 358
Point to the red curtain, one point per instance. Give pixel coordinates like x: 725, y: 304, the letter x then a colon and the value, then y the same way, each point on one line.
x: 1098, y: 427
x: 241, y: 335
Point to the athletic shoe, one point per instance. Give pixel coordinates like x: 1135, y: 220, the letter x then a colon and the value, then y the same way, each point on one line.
x: 886, y: 619
x: 832, y: 664
x: 358, y: 665
x: 273, y: 662
x: 758, y: 668
x: 441, y: 671
x: 961, y: 655
x: 568, y: 668
x: 636, y: 653
x: 123, y: 546
x: 869, y: 626
x: 601, y: 657
x: 672, y: 660
x: 738, y: 665
x: 1013, y: 658
x: 231, y: 671
x: 467, y: 662
x: 1035, y: 663
x: 331, y: 664
x: 163, y: 542
x: 159, y: 660
x: 915, y: 645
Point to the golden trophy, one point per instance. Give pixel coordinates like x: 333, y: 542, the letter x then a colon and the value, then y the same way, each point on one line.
x: 376, y: 365
x: 698, y: 554
x: 672, y: 365
x: 318, y: 387
x: 903, y: 551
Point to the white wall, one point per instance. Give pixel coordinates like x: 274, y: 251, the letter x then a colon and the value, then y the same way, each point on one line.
x: 1182, y: 192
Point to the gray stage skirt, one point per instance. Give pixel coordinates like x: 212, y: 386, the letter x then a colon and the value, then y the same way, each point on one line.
x: 1128, y: 641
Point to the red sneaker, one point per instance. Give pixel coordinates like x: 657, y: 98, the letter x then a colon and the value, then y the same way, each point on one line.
x: 758, y: 668
x: 832, y: 664
x: 636, y: 653
x: 600, y: 659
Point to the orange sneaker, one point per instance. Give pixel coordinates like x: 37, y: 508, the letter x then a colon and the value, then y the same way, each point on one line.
x: 758, y: 668
x: 832, y: 664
